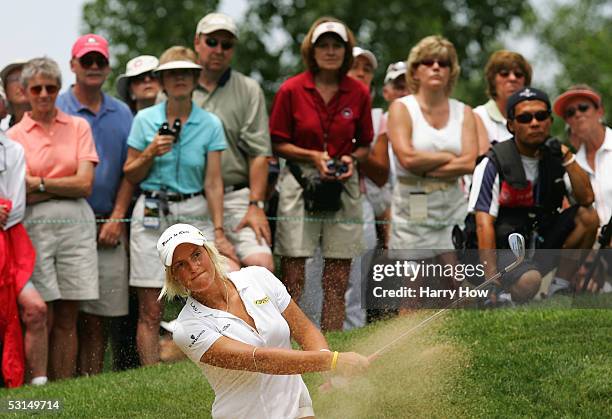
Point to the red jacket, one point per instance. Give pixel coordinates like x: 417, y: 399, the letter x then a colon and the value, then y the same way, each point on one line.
x: 17, y: 257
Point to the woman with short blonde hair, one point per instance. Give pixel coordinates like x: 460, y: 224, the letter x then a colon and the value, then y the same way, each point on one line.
x: 434, y: 140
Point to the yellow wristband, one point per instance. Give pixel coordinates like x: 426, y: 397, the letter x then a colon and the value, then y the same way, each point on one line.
x: 334, y: 360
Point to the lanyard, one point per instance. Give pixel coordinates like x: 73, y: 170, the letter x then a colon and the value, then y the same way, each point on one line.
x: 325, y: 127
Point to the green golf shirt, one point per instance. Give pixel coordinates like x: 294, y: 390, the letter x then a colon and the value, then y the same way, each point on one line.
x: 240, y: 104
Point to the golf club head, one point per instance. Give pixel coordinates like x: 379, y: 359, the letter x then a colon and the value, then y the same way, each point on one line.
x: 517, y: 245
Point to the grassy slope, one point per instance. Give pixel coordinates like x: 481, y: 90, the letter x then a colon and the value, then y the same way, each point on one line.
x: 541, y: 362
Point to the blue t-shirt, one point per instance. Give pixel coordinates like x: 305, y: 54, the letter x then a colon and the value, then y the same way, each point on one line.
x: 183, y: 168
x: 110, y: 127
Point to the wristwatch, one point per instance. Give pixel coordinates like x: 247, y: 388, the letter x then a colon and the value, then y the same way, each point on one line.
x: 41, y: 186
x: 258, y: 204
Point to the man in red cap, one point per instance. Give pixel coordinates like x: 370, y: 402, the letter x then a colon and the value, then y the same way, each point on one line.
x: 110, y: 121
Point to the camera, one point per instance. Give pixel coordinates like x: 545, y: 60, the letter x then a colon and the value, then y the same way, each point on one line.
x: 337, y: 167
x: 174, y: 131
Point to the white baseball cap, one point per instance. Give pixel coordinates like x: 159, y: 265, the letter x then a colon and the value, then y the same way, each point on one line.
x: 134, y: 67
x: 178, y: 64
x: 213, y: 22
x: 175, y: 235
x: 326, y: 27
x: 395, y: 70
x: 357, y: 52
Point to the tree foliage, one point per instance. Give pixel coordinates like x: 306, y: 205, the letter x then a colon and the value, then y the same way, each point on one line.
x: 137, y: 27
x: 273, y: 30
x: 580, y: 33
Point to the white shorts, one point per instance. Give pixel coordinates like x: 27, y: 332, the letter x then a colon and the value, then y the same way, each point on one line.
x: 235, y: 206
x: 146, y: 270
x: 424, y: 219
x: 63, y: 232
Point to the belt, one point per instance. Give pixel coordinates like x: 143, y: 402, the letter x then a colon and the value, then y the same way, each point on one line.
x: 427, y: 184
x: 236, y: 187
x: 172, y: 197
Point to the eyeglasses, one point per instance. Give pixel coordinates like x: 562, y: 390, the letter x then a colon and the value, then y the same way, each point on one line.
x: 51, y: 89
x: 571, y: 110
x: 527, y: 117
x: 140, y: 78
x: 429, y: 62
x: 88, y: 60
x: 504, y: 72
x: 225, y: 44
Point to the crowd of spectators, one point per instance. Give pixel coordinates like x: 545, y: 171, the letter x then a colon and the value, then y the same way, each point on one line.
x: 88, y: 181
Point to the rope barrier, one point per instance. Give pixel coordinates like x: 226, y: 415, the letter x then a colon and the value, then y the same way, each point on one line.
x: 308, y: 219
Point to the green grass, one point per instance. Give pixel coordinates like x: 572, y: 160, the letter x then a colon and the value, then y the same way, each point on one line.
x: 537, y: 362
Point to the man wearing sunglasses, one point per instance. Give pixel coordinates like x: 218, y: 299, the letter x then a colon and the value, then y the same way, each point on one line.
x: 239, y: 102
x: 519, y: 186
x: 110, y: 121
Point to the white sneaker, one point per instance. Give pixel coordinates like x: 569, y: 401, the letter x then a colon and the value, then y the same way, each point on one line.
x: 557, y: 285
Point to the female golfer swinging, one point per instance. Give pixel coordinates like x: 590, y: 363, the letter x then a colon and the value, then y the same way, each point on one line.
x: 236, y: 327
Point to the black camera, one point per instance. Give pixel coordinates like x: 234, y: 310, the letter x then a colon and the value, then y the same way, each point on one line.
x: 337, y: 167
x: 174, y: 131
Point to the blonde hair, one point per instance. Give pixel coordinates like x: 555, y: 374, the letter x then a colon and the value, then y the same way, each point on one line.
x: 307, y: 48
x: 434, y: 46
x: 173, y: 288
x: 178, y: 53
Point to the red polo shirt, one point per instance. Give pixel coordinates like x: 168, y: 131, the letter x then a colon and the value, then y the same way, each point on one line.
x: 300, y: 116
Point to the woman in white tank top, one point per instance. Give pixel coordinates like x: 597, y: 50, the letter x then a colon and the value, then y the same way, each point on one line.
x: 434, y: 142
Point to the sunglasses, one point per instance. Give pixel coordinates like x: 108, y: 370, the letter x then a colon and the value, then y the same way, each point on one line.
x: 140, y: 78
x: 88, y: 60
x: 506, y: 73
x: 571, y: 110
x: 225, y: 44
x: 527, y: 117
x: 50, y: 88
x: 429, y: 62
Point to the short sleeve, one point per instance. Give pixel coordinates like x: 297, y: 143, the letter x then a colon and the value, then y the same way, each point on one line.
x: 217, y: 138
x: 254, y: 132
x: 136, y: 137
x: 281, y: 118
x: 272, y: 285
x: 382, y: 128
x: 86, y: 148
x: 484, y: 195
x: 195, y: 337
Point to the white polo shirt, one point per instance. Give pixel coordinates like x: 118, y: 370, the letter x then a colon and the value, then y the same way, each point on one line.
x: 601, y: 177
x: 243, y: 394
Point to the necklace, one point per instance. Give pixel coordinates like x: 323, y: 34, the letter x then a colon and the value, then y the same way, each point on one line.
x: 226, y: 295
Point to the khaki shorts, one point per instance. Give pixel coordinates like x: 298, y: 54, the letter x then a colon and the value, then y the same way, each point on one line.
x: 66, y: 257
x: 298, y: 233
x: 146, y: 270
x: 113, y: 282
x: 235, y: 206
x: 423, y: 215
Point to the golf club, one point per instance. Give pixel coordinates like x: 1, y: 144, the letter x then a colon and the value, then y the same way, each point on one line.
x: 517, y: 245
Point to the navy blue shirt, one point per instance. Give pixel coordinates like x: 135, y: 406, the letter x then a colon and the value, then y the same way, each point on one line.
x: 111, y: 127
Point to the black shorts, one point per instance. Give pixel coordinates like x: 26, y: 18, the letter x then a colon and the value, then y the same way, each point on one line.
x: 551, y: 235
